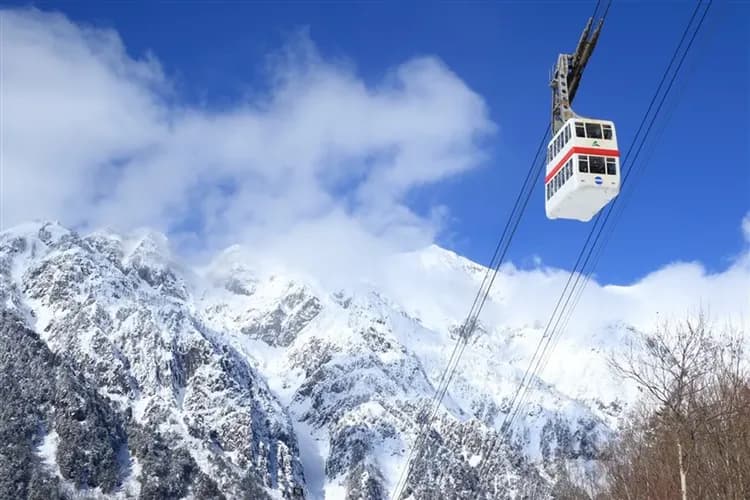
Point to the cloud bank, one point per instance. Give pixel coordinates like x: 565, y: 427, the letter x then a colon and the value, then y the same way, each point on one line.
x: 313, y: 172
x: 316, y: 168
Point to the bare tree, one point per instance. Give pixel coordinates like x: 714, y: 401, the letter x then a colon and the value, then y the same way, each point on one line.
x: 691, y: 434
x: 671, y: 366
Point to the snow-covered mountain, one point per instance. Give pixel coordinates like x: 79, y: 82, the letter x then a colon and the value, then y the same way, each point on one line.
x: 128, y: 374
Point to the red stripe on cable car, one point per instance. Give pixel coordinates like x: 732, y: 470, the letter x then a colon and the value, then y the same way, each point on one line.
x: 583, y: 151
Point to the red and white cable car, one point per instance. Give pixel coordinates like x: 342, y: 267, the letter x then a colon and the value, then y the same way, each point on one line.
x: 583, y: 161
x: 583, y: 169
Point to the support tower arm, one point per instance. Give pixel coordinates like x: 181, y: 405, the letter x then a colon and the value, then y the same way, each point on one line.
x: 566, y: 75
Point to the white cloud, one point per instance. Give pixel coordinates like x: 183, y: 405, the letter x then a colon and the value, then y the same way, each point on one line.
x: 320, y: 164
x: 313, y: 172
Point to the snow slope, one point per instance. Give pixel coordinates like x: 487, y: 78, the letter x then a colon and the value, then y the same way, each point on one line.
x: 270, y: 380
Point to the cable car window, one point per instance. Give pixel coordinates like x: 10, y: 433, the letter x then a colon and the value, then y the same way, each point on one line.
x: 611, y: 166
x: 593, y: 131
x: 596, y: 164
x: 580, y: 130
x: 567, y: 134
x: 583, y: 164
x: 607, y: 131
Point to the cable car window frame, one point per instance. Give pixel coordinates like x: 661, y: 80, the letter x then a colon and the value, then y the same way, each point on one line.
x: 580, y: 130
x: 611, y: 162
x: 598, y: 163
x: 583, y: 164
x: 608, y: 132
x: 592, y: 129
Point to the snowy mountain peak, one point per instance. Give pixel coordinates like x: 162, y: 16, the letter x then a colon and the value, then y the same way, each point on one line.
x: 268, y: 382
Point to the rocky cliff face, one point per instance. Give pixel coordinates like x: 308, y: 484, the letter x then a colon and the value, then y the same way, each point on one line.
x: 130, y: 375
x: 120, y: 317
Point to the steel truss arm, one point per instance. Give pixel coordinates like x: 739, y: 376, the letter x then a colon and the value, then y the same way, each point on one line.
x: 567, y: 74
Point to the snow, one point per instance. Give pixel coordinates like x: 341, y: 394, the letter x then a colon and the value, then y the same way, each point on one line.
x: 420, y: 319
x: 312, y: 454
x: 335, y: 490
x: 48, y: 450
x: 410, y: 314
x: 131, y: 486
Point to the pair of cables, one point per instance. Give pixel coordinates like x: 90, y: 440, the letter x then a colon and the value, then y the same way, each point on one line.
x: 543, y: 351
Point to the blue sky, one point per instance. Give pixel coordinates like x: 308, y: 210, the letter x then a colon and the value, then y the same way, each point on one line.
x: 695, y: 186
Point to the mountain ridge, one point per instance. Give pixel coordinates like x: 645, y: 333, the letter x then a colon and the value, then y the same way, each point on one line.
x: 192, y: 353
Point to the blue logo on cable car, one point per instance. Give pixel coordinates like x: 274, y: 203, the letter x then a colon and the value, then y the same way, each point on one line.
x: 598, y: 180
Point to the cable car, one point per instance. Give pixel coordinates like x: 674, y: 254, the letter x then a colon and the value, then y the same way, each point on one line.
x: 583, y: 169
x: 583, y: 161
